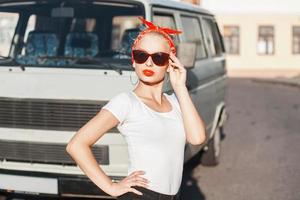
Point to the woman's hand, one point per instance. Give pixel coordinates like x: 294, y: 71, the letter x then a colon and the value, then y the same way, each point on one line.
x: 124, y: 185
x: 177, y: 72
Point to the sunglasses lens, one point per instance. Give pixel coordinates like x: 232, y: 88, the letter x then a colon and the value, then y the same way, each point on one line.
x: 160, y: 58
x: 139, y: 56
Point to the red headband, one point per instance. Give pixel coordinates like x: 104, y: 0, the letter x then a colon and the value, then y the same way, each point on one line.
x: 153, y: 28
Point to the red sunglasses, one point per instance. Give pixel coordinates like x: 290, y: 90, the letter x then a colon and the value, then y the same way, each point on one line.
x: 159, y: 58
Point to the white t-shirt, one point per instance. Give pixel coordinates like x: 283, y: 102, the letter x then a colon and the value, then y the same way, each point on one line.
x: 156, y: 140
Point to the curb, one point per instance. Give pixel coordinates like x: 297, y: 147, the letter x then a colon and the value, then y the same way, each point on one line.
x: 278, y: 81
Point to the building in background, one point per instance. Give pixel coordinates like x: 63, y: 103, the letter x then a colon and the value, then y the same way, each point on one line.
x: 262, y: 37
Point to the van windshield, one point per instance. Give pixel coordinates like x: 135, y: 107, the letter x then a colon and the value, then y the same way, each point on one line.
x: 85, y: 34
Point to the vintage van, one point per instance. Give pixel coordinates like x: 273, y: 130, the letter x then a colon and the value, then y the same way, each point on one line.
x: 61, y: 60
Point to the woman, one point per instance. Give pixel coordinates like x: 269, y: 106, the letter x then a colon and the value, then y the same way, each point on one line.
x: 155, y: 125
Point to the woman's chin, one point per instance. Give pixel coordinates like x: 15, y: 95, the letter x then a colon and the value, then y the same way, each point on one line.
x: 150, y: 80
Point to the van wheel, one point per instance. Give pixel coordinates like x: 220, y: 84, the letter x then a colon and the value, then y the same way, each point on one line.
x: 211, y: 156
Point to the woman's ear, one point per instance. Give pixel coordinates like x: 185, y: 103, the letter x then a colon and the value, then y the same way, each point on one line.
x: 133, y: 65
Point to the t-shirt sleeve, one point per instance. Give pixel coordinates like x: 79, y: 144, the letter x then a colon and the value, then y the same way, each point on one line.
x: 119, y: 106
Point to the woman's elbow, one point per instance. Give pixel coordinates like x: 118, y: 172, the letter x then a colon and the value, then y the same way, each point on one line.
x: 198, y: 140
x: 70, y: 146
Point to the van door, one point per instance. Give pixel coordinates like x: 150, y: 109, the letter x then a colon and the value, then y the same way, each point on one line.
x: 216, y: 50
x: 196, y: 77
x: 165, y: 18
x: 200, y: 79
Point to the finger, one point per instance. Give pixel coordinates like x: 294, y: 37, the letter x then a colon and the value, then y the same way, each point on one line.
x: 172, y: 64
x: 173, y: 57
x: 135, y: 191
x: 179, y: 66
x: 142, y: 184
x: 137, y: 178
x: 142, y: 179
x: 171, y: 68
x: 137, y: 173
x: 175, y: 60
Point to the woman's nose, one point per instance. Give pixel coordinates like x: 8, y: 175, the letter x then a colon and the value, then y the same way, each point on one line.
x: 149, y: 61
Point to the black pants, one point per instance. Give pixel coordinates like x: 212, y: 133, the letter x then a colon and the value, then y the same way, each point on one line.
x: 147, y: 195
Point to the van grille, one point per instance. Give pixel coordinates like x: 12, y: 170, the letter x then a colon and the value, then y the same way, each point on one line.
x: 47, y: 114
x: 34, y: 152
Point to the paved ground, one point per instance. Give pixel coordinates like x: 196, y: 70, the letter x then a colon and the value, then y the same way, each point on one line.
x: 260, y: 149
x: 263, y: 73
x: 292, y: 81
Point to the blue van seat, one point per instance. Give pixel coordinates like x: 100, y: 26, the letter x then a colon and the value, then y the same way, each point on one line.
x: 39, y: 43
x: 81, y: 44
x: 128, y: 38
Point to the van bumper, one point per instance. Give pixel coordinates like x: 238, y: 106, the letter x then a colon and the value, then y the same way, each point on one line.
x: 67, y: 185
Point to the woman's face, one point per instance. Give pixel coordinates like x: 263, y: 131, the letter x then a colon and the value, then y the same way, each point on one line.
x: 149, y: 72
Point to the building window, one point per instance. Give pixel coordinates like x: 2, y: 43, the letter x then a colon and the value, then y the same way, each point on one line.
x: 232, y: 39
x: 265, y: 44
x: 296, y: 40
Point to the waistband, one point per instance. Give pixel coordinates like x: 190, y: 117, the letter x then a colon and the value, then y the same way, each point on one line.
x: 156, y: 195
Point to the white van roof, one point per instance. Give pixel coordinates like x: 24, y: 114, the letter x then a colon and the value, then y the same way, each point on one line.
x: 178, y: 5
x: 163, y: 3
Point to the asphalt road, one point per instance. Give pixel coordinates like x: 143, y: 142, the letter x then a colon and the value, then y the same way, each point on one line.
x: 260, y: 149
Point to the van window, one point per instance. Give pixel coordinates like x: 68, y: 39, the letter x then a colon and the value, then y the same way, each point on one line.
x: 30, y: 26
x: 193, y: 33
x: 123, y: 27
x: 54, y: 29
x: 8, y: 23
x: 212, y: 37
x: 91, y: 35
x: 164, y: 20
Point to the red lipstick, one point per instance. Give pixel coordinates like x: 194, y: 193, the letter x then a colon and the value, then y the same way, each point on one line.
x: 148, y: 72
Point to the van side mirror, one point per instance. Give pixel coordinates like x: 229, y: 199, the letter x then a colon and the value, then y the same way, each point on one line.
x: 186, y: 53
x: 62, y: 12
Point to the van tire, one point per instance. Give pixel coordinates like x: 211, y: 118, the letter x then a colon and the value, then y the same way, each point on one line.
x: 211, y: 157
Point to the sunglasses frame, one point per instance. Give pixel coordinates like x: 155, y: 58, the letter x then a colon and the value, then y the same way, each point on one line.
x: 152, y: 55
